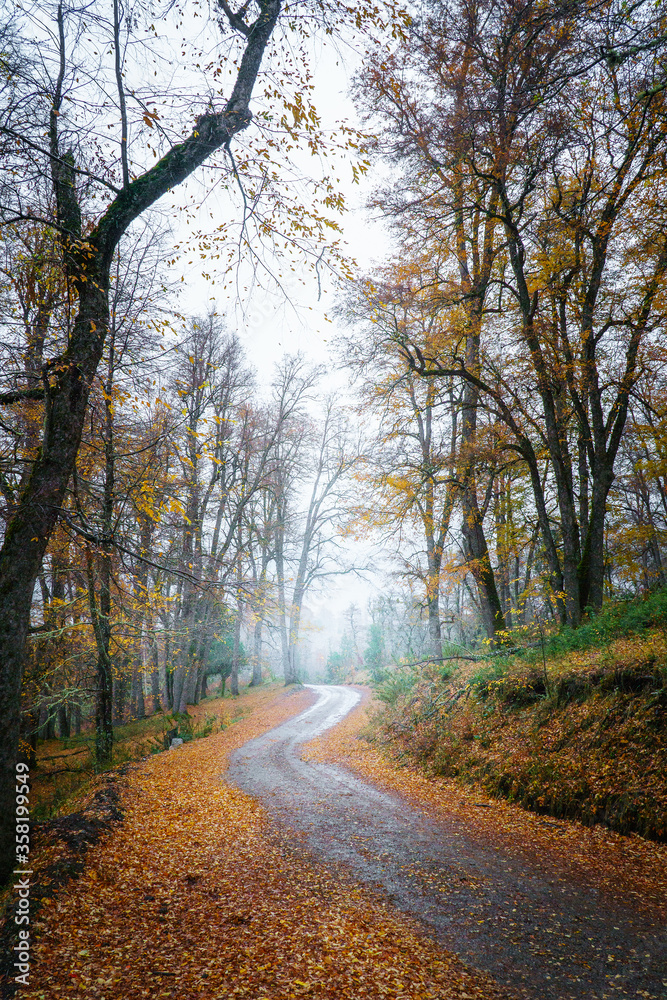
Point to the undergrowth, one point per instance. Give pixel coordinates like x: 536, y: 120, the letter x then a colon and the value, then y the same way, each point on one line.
x: 577, y: 729
x: 617, y: 619
x: 66, y: 767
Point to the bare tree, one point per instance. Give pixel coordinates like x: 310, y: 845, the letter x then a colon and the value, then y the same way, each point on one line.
x: 333, y: 454
x: 87, y: 257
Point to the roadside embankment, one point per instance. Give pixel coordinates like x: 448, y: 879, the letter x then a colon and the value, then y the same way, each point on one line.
x: 624, y: 867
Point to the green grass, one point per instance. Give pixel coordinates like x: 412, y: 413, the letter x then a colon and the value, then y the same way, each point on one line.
x: 616, y: 619
x: 537, y: 671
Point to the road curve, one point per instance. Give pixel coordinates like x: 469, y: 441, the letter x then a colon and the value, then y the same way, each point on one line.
x: 522, y: 921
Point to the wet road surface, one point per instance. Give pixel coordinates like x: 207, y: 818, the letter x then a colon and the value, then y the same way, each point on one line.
x: 521, y: 919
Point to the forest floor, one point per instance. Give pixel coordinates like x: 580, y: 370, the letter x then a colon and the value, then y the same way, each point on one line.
x: 66, y: 766
x: 169, y: 882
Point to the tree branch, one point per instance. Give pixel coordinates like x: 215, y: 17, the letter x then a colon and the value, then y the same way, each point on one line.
x: 18, y: 395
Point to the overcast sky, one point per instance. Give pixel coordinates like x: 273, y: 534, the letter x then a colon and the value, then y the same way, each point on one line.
x: 270, y: 322
x: 270, y: 326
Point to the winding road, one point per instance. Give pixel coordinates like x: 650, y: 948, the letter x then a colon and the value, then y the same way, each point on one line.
x: 519, y: 919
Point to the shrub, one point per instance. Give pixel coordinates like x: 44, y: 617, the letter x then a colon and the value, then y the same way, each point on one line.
x: 397, y: 682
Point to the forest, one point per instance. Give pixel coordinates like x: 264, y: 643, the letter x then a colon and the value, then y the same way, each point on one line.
x: 333, y: 499
x: 496, y: 469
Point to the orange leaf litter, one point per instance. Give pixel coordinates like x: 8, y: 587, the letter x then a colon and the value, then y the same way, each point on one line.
x: 195, y: 896
x: 628, y: 868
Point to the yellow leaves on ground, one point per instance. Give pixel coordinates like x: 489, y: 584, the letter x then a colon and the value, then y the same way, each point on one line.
x: 195, y: 895
x: 628, y: 867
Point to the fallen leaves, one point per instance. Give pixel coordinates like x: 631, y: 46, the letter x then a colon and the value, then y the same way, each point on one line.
x: 625, y: 867
x: 195, y: 895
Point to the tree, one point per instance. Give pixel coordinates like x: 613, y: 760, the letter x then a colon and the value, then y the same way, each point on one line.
x: 527, y: 215
x: 397, y: 616
x: 119, y: 476
x: 261, y: 523
x: 409, y: 469
x: 374, y: 654
x: 636, y: 531
x: 330, y: 451
x: 221, y: 660
x: 97, y: 191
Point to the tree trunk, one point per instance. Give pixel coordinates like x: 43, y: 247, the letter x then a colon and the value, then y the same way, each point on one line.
x: 103, y: 719
x: 178, y: 683
x: 149, y: 657
x: 592, y: 565
x: 134, y: 691
x: 63, y: 722
x: 30, y: 729
x: 41, y: 723
x: 257, y: 653
x: 50, y: 724
x: 478, y: 561
x: 104, y: 687
x: 293, y: 639
x: 165, y: 675
x: 77, y: 718
x: 141, y: 701
x: 434, y: 629
x: 434, y: 545
x: 102, y: 620
x: 236, y: 656
x: 475, y: 548
x: 119, y: 694
x: 30, y: 529
x: 190, y: 687
x: 501, y: 508
x: 185, y: 688
x: 155, y: 677
x: 199, y: 670
x: 282, y: 608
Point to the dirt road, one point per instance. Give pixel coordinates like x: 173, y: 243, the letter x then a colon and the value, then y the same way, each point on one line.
x: 515, y: 916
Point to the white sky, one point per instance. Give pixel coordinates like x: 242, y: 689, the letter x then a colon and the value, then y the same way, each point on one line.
x: 270, y: 326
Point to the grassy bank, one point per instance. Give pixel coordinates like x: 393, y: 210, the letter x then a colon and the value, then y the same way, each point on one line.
x: 65, y: 767
x: 575, y: 726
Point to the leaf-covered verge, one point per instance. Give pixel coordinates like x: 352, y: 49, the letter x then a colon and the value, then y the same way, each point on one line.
x: 623, y: 867
x: 193, y: 895
x: 65, y: 768
x: 580, y: 733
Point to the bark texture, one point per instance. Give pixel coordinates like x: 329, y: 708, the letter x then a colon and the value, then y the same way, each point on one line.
x: 68, y: 382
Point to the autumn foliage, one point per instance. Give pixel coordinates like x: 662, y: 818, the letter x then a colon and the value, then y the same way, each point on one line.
x: 195, y: 895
